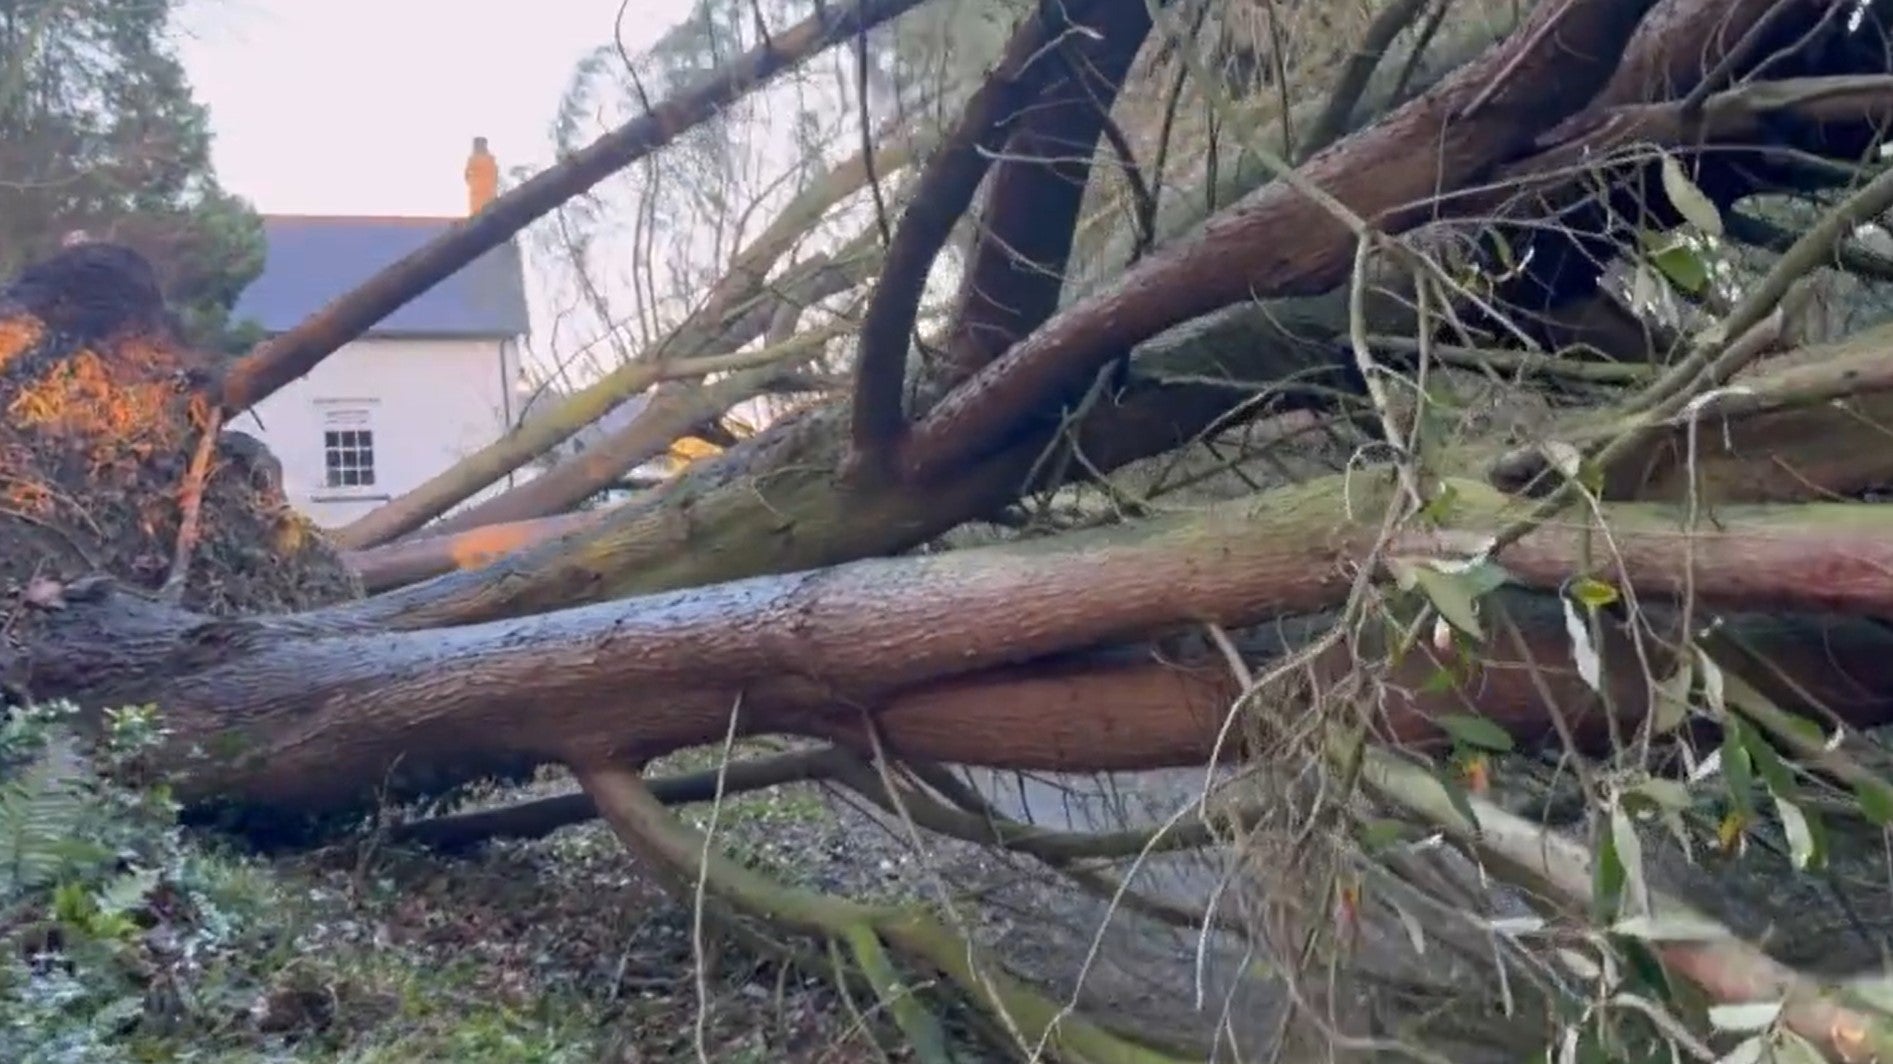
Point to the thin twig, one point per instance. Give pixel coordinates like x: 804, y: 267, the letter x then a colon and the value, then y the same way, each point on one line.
x: 191, y: 504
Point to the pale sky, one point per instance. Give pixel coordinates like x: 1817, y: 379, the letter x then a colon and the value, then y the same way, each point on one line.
x: 370, y: 106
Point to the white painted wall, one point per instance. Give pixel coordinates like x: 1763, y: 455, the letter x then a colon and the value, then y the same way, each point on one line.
x: 429, y: 402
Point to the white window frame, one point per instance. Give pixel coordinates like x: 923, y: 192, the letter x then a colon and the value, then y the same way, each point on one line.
x: 349, y: 416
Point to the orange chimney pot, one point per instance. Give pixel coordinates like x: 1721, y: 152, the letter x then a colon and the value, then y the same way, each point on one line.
x: 483, y: 177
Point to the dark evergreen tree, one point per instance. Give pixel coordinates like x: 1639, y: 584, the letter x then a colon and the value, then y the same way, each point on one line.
x: 99, y: 132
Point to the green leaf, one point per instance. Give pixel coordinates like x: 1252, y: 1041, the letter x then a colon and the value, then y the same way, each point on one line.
x: 128, y: 892
x: 1475, y: 731
x: 1679, y: 926
x: 1689, y: 200
x: 1748, y: 1052
x: 1643, y: 970
x: 1457, y: 797
x: 1664, y: 794
x: 1672, y: 699
x: 1813, y: 733
x: 1683, y: 267
x: 1452, y: 594
x: 1623, y: 837
x: 1378, y: 835
x: 1874, y: 989
x: 1502, y: 249
x: 1876, y: 801
x: 1794, y: 1049
x: 1485, y: 576
x: 1737, y: 772
x: 1748, y: 1016
x: 1804, y: 847
x: 1439, y: 681
x: 119, y: 1014
x: 1607, y: 878
x: 1593, y: 593
x: 1441, y: 506
x: 72, y: 905
x: 1712, y: 683
x: 1768, y: 763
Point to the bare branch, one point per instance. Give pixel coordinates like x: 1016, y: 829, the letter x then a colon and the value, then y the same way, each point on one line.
x: 944, y: 191
x: 284, y: 358
x: 1276, y: 242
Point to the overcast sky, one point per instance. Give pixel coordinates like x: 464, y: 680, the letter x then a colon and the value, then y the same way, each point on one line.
x: 370, y: 106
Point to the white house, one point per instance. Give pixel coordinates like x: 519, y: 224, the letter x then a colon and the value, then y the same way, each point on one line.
x: 432, y: 382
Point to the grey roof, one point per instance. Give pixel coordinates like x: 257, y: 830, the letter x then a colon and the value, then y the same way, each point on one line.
x: 314, y: 258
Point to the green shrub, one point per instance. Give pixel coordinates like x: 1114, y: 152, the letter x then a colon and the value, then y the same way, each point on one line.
x: 113, y: 931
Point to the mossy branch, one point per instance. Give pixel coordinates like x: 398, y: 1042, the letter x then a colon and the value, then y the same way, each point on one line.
x: 650, y: 832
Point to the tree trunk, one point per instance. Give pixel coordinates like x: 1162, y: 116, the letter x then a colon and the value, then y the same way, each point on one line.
x: 416, y: 558
x: 439, y: 683
x: 300, y: 718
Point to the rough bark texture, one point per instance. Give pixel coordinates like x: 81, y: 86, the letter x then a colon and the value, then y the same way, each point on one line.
x: 1045, y: 105
x: 416, y: 558
x: 312, y: 720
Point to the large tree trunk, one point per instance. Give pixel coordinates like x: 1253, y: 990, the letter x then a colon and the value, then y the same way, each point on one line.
x: 309, y: 719
x: 322, y: 706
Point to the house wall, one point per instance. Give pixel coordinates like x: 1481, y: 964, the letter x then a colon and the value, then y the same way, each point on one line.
x: 427, y: 403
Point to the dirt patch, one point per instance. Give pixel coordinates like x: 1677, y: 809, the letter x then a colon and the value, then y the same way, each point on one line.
x: 104, y: 405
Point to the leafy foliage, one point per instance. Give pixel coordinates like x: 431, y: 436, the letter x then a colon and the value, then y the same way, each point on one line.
x: 99, y: 132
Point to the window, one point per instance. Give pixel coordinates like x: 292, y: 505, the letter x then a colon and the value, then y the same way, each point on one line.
x: 348, y: 450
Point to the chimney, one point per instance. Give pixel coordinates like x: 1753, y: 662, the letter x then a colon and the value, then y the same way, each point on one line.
x: 483, y: 177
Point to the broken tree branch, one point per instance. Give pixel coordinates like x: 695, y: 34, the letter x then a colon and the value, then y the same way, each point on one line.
x: 873, y: 633
x: 284, y: 358
x: 680, y: 357
x: 950, y: 179
x: 1728, y: 969
x: 190, y: 506
x: 416, y: 558
x: 1276, y: 242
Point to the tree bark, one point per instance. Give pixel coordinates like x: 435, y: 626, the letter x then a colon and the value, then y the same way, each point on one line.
x: 1278, y: 242
x: 416, y: 558
x: 736, y: 315
x: 1053, y: 88
x: 960, y: 656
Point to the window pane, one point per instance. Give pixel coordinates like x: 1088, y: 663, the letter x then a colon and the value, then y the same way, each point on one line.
x: 348, y: 455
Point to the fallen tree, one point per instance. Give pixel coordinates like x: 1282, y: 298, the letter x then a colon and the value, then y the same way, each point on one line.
x: 754, y: 594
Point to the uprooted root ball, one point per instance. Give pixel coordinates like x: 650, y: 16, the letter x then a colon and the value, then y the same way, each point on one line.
x: 103, y: 405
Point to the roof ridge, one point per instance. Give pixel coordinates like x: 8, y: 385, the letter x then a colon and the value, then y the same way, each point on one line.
x: 300, y: 217
x: 312, y: 259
